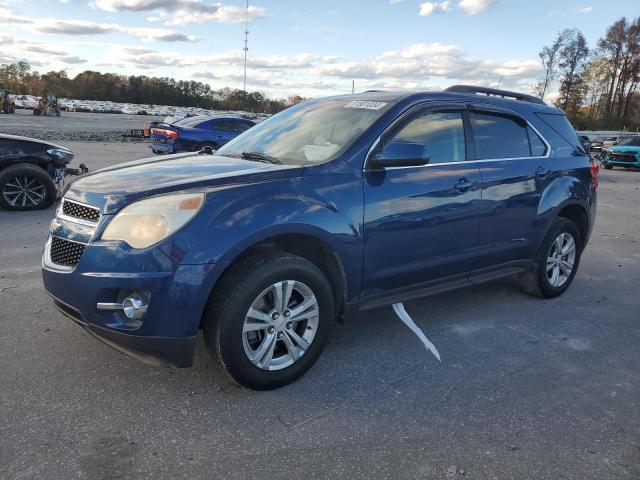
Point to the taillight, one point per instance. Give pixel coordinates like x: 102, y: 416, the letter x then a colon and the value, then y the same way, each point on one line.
x: 594, y: 167
x: 165, y: 132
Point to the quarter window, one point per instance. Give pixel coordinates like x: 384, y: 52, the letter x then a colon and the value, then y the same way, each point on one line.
x: 500, y: 136
x: 440, y: 134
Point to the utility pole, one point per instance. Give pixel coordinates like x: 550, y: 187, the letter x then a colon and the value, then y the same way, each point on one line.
x: 246, y: 47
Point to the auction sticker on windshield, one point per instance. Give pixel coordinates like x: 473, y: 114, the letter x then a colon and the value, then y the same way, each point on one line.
x: 366, y: 104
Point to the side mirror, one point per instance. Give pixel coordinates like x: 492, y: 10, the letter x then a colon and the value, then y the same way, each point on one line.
x: 400, y: 154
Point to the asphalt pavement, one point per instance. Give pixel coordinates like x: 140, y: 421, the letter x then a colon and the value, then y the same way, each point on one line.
x: 527, y: 388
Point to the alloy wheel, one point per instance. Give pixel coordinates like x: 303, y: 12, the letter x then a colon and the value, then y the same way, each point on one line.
x: 561, y: 259
x: 24, y: 191
x: 280, y: 325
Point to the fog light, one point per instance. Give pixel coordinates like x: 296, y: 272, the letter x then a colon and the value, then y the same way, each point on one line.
x: 135, y: 306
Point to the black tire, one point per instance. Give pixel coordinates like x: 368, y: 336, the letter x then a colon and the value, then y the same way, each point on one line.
x: 30, y: 171
x: 536, y: 282
x: 607, y: 166
x: 235, y: 294
x: 204, y: 145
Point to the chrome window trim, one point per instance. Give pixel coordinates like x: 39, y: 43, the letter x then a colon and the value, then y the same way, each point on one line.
x: 377, y: 141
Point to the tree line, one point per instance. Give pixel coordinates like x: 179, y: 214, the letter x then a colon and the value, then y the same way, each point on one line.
x: 20, y: 79
x: 598, y: 86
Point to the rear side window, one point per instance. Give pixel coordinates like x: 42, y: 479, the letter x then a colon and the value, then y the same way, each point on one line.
x: 231, y: 125
x: 538, y: 147
x: 562, y: 127
x: 500, y: 136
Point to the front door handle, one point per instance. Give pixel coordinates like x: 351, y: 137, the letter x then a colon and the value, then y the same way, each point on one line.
x: 542, y: 172
x: 464, y: 184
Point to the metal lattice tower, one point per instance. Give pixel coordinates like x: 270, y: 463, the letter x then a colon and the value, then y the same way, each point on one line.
x: 246, y: 47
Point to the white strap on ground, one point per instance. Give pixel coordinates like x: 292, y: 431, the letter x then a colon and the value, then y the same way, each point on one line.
x: 408, y: 321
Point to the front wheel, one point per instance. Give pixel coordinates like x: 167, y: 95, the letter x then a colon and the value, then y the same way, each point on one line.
x: 556, y: 262
x: 26, y: 187
x: 607, y: 166
x: 269, y: 320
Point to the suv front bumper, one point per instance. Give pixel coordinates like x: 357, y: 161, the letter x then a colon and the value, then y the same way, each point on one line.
x: 171, y: 351
x: 178, y: 294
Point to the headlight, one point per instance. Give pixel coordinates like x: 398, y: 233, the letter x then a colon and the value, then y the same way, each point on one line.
x: 146, y: 222
x: 61, y: 154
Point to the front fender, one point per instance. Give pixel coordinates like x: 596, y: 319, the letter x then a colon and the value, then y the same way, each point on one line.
x: 328, y: 207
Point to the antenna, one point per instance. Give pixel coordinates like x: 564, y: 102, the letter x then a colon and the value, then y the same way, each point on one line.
x: 246, y: 47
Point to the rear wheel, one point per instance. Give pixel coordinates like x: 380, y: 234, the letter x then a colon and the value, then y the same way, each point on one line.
x: 269, y: 320
x: 26, y: 187
x: 556, y: 262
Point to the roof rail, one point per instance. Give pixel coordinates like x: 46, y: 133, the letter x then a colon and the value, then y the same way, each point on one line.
x: 494, y: 92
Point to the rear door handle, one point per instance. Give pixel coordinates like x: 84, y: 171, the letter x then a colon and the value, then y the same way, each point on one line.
x: 464, y: 184
x: 542, y: 172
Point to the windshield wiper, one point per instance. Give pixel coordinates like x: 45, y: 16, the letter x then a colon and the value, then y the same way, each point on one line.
x: 260, y: 157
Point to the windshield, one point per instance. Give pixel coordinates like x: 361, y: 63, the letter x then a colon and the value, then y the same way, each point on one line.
x: 309, y: 133
x: 630, y: 141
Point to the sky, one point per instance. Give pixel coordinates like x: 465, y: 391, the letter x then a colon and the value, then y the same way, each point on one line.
x: 302, y: 47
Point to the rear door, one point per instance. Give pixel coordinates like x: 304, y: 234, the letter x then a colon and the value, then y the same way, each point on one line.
x: 421, y: 222
x: 515, y: 170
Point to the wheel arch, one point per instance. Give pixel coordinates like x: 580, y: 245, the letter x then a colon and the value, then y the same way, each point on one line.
x: 305, y: 245
x: 578, y: 215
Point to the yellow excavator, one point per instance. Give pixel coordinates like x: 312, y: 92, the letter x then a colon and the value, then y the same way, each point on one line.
x: 47, y: 106
x: 6, y: 104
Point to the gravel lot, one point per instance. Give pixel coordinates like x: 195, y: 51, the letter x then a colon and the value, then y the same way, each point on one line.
x: 72, y: 125
x: 527, y: 388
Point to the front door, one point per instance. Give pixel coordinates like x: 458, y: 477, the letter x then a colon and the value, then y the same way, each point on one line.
x: 421, y: 222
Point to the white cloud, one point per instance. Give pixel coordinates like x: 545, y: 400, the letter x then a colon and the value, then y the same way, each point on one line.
x: 474, y: 7
x: 179, y: 12
x: 393, y: 2
x: 36, y: 53
x: 84, y: 27
x: 585, y: 10
x: 430, y: 8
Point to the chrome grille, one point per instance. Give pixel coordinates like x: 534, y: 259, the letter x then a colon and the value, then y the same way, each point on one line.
x: 65, y: 252
x: 78, y: 210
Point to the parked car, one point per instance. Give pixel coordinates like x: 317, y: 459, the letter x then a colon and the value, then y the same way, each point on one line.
x: 626, y: 153
x: 586, y: 143
x: 195, y: 133
x: 32, y: 172
x: 332, y: 206
x: 596, y: 146
x: 609, y: 142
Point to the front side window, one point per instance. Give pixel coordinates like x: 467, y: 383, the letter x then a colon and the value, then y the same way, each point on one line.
x: 439, y: 136
x: 308, y: 133
x: 500, y: 136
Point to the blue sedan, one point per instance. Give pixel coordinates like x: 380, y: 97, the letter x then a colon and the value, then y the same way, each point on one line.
x: 195, y: 133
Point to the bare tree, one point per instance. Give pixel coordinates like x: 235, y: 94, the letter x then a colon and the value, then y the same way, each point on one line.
x: 611, y: 46
x: 573, y: 58
x: 550, y: 56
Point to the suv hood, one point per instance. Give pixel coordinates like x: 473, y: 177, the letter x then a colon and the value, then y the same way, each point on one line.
x: 114, y: 187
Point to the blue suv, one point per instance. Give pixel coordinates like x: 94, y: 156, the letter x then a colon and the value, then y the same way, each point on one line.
x: 332, y: 206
